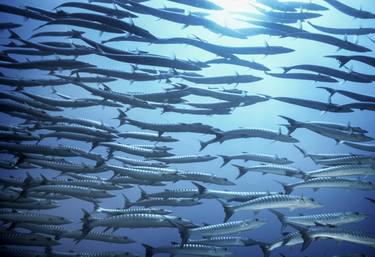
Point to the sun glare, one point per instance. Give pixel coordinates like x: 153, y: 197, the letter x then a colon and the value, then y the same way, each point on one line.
x: 231, y: 8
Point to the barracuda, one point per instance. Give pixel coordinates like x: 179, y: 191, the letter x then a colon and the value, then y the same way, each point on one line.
x: 343, y: 170
x: 263, y: 158
x: 270, y: 202
x: 328, y: 182
x: 332, y: 219
x: 270, y: 169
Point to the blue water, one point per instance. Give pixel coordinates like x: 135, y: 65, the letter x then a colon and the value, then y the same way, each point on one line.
x: 262, y: 115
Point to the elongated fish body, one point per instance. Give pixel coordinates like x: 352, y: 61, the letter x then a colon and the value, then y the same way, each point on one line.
x: 87, y: 123
x: 228, y: 228
x: 133, y: 76
x: 130, y: 149
x: 223, y: 241
x: 328, y: 131
x: 222, y: 80
x: 303, y: 76
x: 137, y: 162
x: 137, y: 220
x: 142, y: 174
x: 17, y: 252
x: 323, y: 219
x: 188, y: 249
x: 344, y: 59
x: 205, y: 177
x: 114, y: 212
x: 171, y: 108
x: 361, y: 146
x: 32, y: 205
x: 153, y: 147
x: 316, y: 157
x: 328, y: 71
x: 271, y: 202
x: 175, y: 193
x: 33, y: 217
x: 147, y: 136
x: 249, y: 133
x: 271, y: 169
x: 174, y: 127
x: 83, y: 24
x: 200, y: 4
x: 348, y: 160
x: 122, y: 98
x: 95, y: 184
x: 32, y: 103
x: 75, y: 191
x: 53, y: 253
x: 72, y: 103
x: 77, y: 129
x: 28, y: 239
x: 329, y: 182
x: 250, y: 64
x: 97, y: 236
x: 47, y: 64
x: 339, y: 234
x: 52, y: 230
x: 344, y: 31
x: 126, y: 180
x: 350, y: 11
x: 263, y: 158
x: 186, y: 159
x: 74, y: 136
x: 16, y: 136
x: 60, y: 150
x: 98, y: 8
x: 312, y: 104
x: 64, y: 167
x: 149, y: 202
x: 343, y: 170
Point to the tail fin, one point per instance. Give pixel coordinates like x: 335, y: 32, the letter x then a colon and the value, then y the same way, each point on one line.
x: 301, y: 150
x: 286, y: 69
x: 228, y: 210
x: 203, y: 144
x: 202, y: 190
x: 143, y: 194
x: 331, y: 92
x: 307, y: 239
x: 86, y: 227
x: 281, y: 218
x: 127, y: 202
x: 149, y: 250
x: 13, y: 35
x: 96, y: 207
x: 121, y: 117
x: 265, y: 249
x: 241, y: 170
x: 341, y: 58
x: 182, y: 230
x: 293, y: 124
x: 226, y: 159
x: 288, y: 189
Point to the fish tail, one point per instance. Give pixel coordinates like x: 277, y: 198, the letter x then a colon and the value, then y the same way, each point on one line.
x: 228, y: 210
x: 127, y: 202
x: 241, y: 170
x: 86, y: 226
x: 201, y: 189
x: 149, y: 250
x: 293, y: 124
x: 226, y: 159
x: 280, y: 217
x: 265, y: 249
x: 301, y: 150
x: 288, y: 189
x: 121, y: 116
x: 203, y: 144
x: 143, y: 194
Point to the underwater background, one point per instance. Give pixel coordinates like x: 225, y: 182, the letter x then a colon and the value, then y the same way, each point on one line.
x: 260, y: 115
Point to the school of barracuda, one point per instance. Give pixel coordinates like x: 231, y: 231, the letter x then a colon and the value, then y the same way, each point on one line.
x: 49, y: 174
